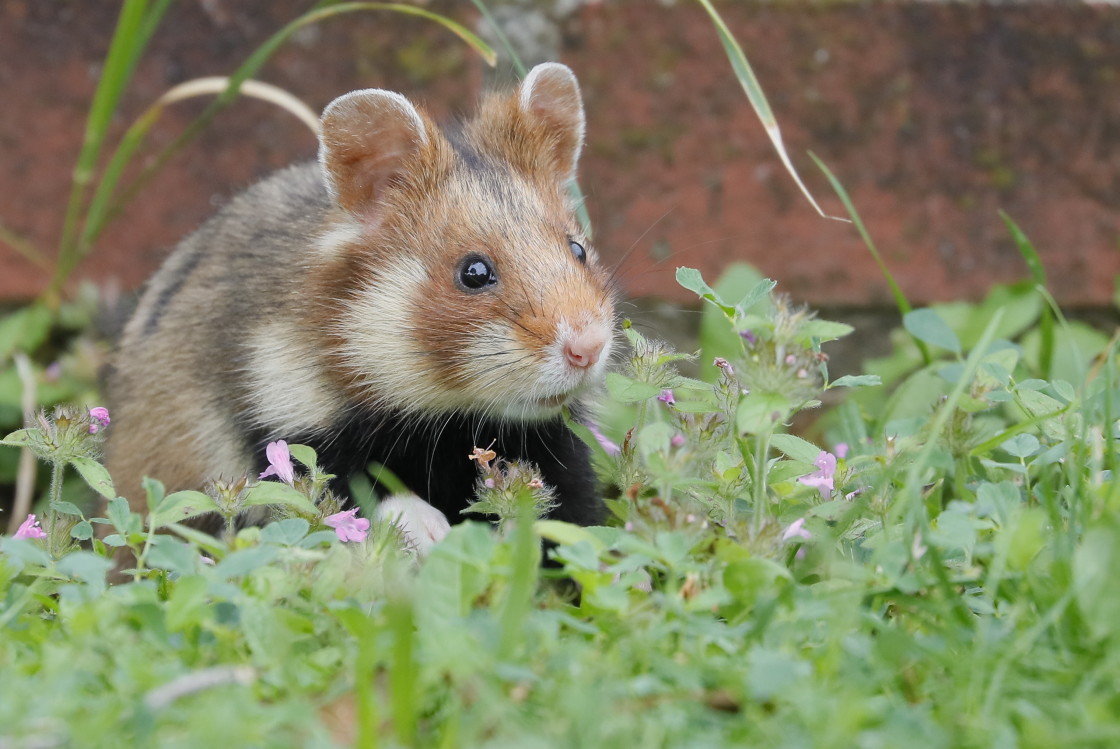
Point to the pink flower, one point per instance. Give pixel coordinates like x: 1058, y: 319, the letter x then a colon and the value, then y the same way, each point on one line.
x: 666, y: 397
x: 348, y: 525
x: 822, y: 478
x: 723, y: 364
x: 749, y: 337
x: 98, y: 419
x: 279, y: 462
x: 841, y: 450
x: 30, y: 529
x: 796, y: 529
x: 677, y: 440
x: 610, y: 447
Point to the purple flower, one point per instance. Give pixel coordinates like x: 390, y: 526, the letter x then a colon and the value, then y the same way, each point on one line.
x: 666, y: 397
x: 678, y: 440
x: 610, y: 447
x: 98, y: 419
x: 348, y: 525
x: 822, y: 478
x: 841, y: 450
x: 30, y: 529
x: 723, y: 364
x: 279, y: 462
x: 796, y: 529
x: 749, y: 337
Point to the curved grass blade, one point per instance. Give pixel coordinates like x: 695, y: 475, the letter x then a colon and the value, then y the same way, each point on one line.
x: 757, y: 98
x: 108, y: 209
x: 99, y: 213
x: 900, y: 299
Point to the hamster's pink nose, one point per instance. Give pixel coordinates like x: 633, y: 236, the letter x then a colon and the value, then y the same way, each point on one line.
x: 585, y: 347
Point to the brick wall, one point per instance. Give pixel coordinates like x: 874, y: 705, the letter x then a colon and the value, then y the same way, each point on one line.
x: 933, y: 115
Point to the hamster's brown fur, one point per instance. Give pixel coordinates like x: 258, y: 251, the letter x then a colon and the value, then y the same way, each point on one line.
x: 327, y: 305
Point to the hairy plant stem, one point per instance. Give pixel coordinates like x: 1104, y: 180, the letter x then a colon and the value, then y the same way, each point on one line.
x: 53, y: 498
x: 761, y: 450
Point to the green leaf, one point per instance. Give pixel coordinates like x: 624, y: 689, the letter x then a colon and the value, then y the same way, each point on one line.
x: 154, y: 492
x: 95, y: 475
x: 279, y: 493
x: 758, y: 293
x: 23, y: 437
x: 67, y: 508
x: 1022, y: 445
x: 243, y: 561
x: 625, y: 390
x: 286, y: 532
x: 1095, y: 562
x: 24, y: 330
x: 795, y: 447
x: 83, y: 531
x: 120, y: 515
x: 87, y: 567
x: 566, y: 534
x: 691, y: 279
x: 180, y: 506
x: 823, y: 330
x: 304, y: 455
x: 928, y: 327
x: 761, y: 412
x: 856, y: 381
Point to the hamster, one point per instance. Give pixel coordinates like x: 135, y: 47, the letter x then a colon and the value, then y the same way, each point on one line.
x: 413, y: 294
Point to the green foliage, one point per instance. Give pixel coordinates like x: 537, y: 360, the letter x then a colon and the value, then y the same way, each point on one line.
x: 949, y: 575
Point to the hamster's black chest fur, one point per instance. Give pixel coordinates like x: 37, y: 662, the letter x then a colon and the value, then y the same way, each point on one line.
x: 431, y: 457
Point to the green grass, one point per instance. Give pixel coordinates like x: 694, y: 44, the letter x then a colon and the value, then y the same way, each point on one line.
x: 957, y: 587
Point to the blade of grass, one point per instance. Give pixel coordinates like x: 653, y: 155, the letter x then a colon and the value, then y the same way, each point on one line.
x: 98, y: 214
x: 917, y: 519
x: 24, y: 247
x: 573, y: 187
x: 757, y: 98
x: 402, y: 673
x: 134, y: 30
x: 900, y: 299
x: 109, y: 209
x: 1038, y: 273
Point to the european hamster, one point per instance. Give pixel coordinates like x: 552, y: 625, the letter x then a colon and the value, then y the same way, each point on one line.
x: 413, y: 294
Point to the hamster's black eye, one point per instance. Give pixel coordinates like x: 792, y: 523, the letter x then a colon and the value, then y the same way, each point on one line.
x: 476, y: 273
x: 578, y: 251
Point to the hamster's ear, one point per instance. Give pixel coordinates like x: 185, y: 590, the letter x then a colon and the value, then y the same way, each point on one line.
x: 549, y: 97
x: 367, y: 138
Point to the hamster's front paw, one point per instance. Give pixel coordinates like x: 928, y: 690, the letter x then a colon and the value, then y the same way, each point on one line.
x: 422, y: 525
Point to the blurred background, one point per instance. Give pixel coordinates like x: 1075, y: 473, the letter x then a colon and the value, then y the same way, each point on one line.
x: 934, y: 116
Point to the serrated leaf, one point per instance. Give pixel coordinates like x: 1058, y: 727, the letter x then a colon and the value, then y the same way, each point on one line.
x: 795, y: 447
x: 928, y: 327
x: 625, y: 390
x: 95, y: 475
